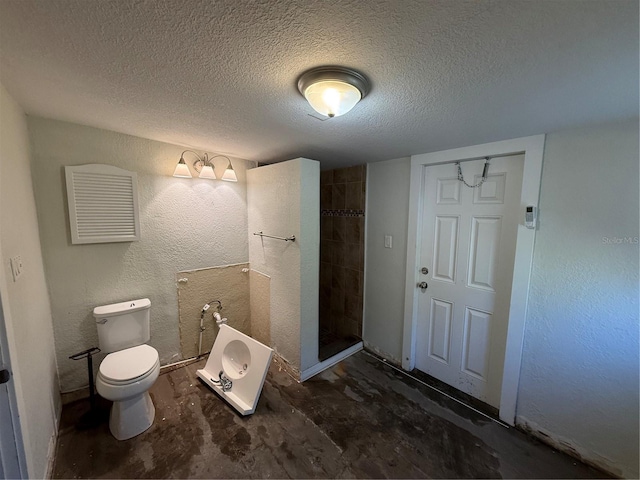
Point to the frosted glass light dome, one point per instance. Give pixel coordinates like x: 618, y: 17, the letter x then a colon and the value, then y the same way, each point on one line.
x: 332, y: 98
x: 333, y: 91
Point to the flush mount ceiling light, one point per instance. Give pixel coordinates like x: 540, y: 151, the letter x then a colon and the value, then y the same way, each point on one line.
x: 333, y: 91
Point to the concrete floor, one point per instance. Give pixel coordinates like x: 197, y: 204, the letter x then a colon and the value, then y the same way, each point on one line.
x: 360, y: 419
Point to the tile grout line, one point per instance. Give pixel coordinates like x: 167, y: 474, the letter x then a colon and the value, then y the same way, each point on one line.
x: 499, y: 422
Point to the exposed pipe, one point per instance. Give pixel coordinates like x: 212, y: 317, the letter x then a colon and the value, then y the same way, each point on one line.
x: 206, y: 307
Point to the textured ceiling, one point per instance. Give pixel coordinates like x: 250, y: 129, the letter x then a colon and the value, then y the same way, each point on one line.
x: 221, y: 76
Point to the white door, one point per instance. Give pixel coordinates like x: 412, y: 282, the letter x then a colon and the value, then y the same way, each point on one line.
x: 9, y: 464
x: 468, y: 247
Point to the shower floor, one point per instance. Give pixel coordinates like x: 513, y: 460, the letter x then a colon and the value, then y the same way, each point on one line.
x: 359, y: 419
x: 331, y: 344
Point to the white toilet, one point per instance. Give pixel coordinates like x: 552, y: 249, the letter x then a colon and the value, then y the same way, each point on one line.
x: 130, y: 369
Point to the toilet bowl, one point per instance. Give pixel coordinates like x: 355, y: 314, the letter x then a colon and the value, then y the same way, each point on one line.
x: 131, y: 368
x: 125, y: 378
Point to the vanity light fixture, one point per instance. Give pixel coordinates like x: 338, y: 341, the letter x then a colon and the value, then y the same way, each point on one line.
x: 204, y: 166
x: 333, y: 91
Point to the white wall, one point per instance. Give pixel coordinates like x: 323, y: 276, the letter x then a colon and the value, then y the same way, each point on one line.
x: 579, y: 380
x: 25, y: 303
x: 284, y: 200
x: 579, y: 377
x: 185, y: 224
x: 309, y: 242
x: 387, y: 214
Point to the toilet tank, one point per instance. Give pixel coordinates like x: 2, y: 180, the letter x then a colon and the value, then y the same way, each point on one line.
x: 123, y: 325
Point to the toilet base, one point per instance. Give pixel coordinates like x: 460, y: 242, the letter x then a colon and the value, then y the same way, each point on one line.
x: 131, y: 417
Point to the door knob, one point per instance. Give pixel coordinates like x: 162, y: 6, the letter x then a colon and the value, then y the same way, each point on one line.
x: 4, y: 376
x: 423, y: 286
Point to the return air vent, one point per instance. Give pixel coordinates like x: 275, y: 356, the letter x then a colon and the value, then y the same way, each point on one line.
x: 103, y: 204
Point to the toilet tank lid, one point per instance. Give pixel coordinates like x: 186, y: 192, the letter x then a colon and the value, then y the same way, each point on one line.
x: 122, y: 307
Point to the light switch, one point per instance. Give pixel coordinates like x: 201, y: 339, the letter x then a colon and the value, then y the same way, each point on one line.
x: 388, y: 241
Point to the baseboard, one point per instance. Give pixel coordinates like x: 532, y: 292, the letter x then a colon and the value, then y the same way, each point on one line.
x: 283, y: 364
x: 51, y: 455
x: 74, y: 395
x: 330, y: 362
x: 53, y: 441
x: 382, y: 354
x: 569, y: 447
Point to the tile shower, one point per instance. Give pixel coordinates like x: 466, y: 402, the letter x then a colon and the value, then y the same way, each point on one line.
x: 342, y: 204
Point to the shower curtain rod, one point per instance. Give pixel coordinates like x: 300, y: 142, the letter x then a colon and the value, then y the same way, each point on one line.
x: 292, y: 238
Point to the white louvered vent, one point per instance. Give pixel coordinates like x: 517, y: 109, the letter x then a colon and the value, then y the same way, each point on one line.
x: 103, y: 204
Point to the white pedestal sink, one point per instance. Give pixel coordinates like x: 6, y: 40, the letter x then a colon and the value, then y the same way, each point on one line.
x: 243, y: 362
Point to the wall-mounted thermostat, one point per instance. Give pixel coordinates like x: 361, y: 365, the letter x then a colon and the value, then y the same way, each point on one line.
x: 530, y: 216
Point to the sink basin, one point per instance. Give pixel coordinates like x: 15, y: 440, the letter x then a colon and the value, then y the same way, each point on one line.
x: 236, y: 359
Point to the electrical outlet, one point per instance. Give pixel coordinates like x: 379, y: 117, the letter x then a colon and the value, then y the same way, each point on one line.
x: 16, y: 267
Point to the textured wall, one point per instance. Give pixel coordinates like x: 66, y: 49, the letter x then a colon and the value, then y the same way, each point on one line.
x: 387, y: 214
x: 25, y: 303
x: 283, y: 199
x: 227, y: 283
x: 186, y: 224
x: 309, y: 241
x: 260, y: 305
x: 579, y: 377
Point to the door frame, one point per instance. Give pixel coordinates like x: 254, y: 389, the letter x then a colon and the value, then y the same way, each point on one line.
x: 533, y: 150
x: 12, y: 455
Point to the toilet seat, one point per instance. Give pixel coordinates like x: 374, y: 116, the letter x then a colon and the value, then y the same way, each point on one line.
x: 129, y: 365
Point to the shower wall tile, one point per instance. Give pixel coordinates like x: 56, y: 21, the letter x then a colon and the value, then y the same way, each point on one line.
x: 326, y: 252
x: 352, y: 279
x: 354, y: 174
x: 352, y: 255
x: 337, y: 278
x: 326, y: 196
x: 338, y: 196
x: 343, y: 200
x: 339, y: 229
x: 338, y: 253
x: 337, y: 303
x: 353, y: 229
x: 353, y: 308
x: 340, y: 175
x: 326, y: 228
x: 326, y: 177
x: 326, y: 280
x: 353, y: 196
